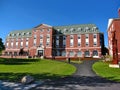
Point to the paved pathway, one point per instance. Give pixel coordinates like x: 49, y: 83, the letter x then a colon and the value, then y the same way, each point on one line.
x: 83, y: 79
x: 17, y: 86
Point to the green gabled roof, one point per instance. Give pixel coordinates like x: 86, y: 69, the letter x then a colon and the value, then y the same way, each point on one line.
x: 19, y: 33
x: 77, y: 29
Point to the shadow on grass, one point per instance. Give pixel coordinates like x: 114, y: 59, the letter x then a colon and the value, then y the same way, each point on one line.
x: 16, y: 77
x: 12, y: 61
x: 18, y: 63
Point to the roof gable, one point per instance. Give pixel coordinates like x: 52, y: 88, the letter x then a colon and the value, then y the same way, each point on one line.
x: 42, y: 26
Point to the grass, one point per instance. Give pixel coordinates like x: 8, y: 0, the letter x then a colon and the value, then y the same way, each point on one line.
x: 103, y: 69
x: 15, y: 69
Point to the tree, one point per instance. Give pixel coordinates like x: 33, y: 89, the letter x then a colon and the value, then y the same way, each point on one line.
x: 21, y: 51
x: 2, y: 47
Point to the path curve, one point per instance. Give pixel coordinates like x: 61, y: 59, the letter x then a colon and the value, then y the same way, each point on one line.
x: 83, y: 79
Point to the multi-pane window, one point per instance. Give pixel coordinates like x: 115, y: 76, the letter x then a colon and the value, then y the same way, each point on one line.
x: 87, y: 44
x: 41, y: 36
x: 79, y: 53
x: 27, y: 39
x: 21, y: 44
x: 79, y: 40
x: 87, y: 53
x: 71, y: 53
x: 34, y: 36
x: 48, y: 40
x: 87, y: 39
x: 41, y: 44
x: 48, y: 35
x: 48, y: 30
x: 27, y: 44
x: 63, y: 53
x: 41, y: 40
x: 16, y: 44
x: 57, y: 41
x: 95, y: 53
x: 64, y: 41
x: 58, y: 53
x: 34, y: 42
x: 7, y: 44
x: 11, y: 44
x: 86, y: 36
x: 57, y: 37
x: 94, y: 35
x: 94, y: 39
x: 95, y: 43
x: 71, y: 40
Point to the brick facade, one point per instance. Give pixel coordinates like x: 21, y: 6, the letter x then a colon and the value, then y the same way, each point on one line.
x: 59, y: 41
x: 114, y: 25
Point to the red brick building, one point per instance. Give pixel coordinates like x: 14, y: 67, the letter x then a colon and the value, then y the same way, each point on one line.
x: 114, y: 26
x: 84, y: 40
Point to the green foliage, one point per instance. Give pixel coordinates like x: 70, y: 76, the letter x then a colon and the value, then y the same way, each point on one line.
x: 103, y: 69
x: 15, y: 69
x: 21, y: 51
x: 2, y: 47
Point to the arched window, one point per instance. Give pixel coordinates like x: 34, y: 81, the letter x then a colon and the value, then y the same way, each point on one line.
x: 95, y: 53
x: 71, y: 53
x: 63, y: 53
x: 87, y: 53
x: 79, y: 53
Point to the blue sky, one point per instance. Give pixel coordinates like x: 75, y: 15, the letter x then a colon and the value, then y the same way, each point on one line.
x: 25, y: 14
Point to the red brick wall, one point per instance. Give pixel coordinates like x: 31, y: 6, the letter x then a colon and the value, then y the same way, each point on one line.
x: 116, y: 27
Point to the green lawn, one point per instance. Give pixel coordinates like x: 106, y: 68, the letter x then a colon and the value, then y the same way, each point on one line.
x: 103, y: 69
x: 15, y: 69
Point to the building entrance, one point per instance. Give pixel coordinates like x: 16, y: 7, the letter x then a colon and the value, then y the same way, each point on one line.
x: 40, y: 52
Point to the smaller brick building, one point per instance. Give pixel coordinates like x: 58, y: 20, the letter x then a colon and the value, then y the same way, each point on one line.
x: 114, y: 26
x: 82, y: 40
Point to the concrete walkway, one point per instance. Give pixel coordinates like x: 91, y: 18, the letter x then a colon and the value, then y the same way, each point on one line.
x: 83, y: 79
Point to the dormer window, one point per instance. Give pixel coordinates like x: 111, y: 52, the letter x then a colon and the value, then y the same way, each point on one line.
x: 65, y: 30
x: 94, y: 29
x: 27, y: 33
x: 23, y: 33
x: 13, y: 34
x: 79, y: 29
x: 87, y: 28
x: 71, y: 29
x: 9, y: 34
x: 18, y: 34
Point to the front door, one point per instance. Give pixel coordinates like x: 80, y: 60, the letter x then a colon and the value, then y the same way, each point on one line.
x: 40, y: 52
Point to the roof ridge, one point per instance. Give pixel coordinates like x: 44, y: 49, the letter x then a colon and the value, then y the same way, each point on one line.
x: 74, y: 25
